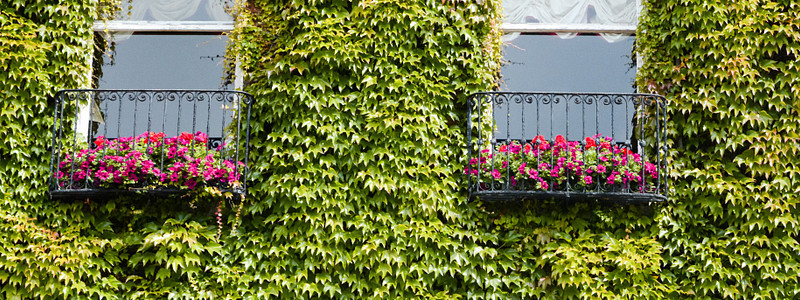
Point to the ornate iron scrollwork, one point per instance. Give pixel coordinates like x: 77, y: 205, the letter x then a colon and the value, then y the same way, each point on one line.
x: 211, y: 125
x: 601, y: 146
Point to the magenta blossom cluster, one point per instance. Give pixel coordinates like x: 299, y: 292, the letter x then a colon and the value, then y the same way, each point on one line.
x: 595, y: 164
x: 148, y: 160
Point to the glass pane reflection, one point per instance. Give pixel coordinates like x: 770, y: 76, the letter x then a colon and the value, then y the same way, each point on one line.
x: 162, y: 61
x: 585, y: 63
x: 548, y: 63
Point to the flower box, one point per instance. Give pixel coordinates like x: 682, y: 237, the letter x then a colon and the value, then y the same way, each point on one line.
x: 511, y: 159
x: 103, y: 157
x: 149, y: 161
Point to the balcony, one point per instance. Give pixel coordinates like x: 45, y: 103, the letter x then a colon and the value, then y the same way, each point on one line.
x: 154, y: 142
x: 566, y: 146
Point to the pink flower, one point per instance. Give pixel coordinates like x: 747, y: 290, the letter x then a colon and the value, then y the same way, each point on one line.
x: 220, y: 173
x: 172, y: 152
x: 182, y: 151
x: 200, y: 137
x: 544, y: 146
x: 102, y: 175
x: 651, y: 169
x: 208, y: 175
x: 193, y: 169
x: 79, y: 175
x: 612, y: 177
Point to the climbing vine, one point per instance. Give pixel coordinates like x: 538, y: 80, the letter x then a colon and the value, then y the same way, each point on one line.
x: 731, y: 230
x: 357, y: 147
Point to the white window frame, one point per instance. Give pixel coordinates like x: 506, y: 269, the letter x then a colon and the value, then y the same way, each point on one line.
x: 111, y: 26
x: 164, y: 26
x: 221, y: 27
x: 507, y: 28
x: 566, y: 28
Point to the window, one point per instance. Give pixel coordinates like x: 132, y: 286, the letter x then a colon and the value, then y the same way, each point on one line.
x: 582, y: 63
x: 158, y: 44
x: 569, y: 46
x: 177, y: 44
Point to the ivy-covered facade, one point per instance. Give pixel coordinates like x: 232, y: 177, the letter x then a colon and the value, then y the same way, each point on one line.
x: 356, y: 155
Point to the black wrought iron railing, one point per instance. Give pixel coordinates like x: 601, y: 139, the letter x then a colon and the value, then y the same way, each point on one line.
x: 566, y: 145
x: 149, y: 141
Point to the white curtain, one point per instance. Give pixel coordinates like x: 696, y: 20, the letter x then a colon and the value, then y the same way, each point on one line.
x: 174, y: 10
x: 170, y: 10
x: 606, y: 12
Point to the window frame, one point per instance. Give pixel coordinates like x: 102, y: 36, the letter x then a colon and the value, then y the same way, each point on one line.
x: 566, y: 28
x: 164, y: 26
x: 507, y: 28
x: 553, y: 28
x: 200, y: 27
x: 168, y: 27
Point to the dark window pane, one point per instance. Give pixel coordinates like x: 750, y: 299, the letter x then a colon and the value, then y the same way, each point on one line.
x: 160, y: 61
x: 584, y: 63
x: 127, y: 114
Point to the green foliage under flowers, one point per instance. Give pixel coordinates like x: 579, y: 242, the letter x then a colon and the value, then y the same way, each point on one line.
x: 358, y: 159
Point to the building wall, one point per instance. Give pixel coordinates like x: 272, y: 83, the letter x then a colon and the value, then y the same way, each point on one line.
x: 356, y: 162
